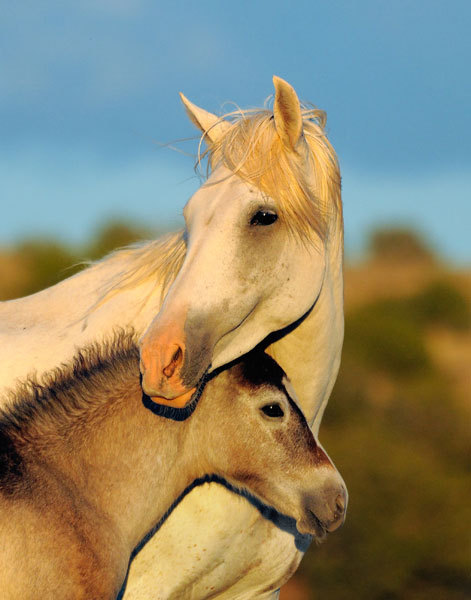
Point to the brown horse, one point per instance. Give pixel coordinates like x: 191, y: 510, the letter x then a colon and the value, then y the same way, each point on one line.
x: 88, y: 466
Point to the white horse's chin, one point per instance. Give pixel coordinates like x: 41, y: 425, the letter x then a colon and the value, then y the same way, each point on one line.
x: 234, y: 345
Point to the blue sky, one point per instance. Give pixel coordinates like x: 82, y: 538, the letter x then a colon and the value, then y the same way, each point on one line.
x: 89, y: 89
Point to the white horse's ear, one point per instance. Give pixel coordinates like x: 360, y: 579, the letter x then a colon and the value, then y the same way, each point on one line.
x: 211, y: 125
x: 287, y: 112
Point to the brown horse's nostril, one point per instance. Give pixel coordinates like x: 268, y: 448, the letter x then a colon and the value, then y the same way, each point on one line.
x: 338, y: 516
x: 174, y: 363
x: 340, y: 504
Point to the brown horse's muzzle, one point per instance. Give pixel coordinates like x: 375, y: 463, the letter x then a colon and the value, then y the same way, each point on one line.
x: 325, y: 508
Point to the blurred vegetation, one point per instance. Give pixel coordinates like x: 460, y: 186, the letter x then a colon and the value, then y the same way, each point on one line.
x: 399, y: 244
x: 47, y: 262
x: 115, y: 235
x: 395, y: 425
x: 400, y: 436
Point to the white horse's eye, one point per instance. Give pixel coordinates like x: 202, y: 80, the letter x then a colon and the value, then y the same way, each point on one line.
x: 273, y: 410
x: 264, y: 217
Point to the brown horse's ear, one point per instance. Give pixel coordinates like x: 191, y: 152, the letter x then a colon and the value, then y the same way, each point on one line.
x: 287, y: 112
x: 211, y: 125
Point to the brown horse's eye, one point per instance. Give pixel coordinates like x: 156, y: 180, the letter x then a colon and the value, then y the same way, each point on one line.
x: 264, y: 217
x: 273, y: 410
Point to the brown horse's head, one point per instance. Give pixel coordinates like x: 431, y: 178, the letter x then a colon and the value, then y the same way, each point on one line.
x: 250, y: 431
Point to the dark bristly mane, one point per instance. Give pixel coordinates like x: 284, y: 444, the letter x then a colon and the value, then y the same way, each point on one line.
x: 69, y: 390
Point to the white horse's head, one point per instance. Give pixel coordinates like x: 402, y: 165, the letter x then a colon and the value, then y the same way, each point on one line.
x: 257, y: 235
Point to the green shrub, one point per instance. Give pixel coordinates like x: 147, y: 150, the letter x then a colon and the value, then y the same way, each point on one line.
x: 48, y: 262
x: 384, y: 336
x: 115, y: 234
x: 399, y: 245
x: 441, y: 303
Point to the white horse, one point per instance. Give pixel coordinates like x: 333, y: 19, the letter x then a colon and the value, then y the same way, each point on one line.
x: 260, y: 261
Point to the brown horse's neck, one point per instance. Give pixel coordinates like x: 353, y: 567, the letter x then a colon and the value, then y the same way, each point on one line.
x: 127, y: 465
x: 117, y: 457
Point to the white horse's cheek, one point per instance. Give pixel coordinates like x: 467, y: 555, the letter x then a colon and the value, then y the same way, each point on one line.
x: 300, y: 291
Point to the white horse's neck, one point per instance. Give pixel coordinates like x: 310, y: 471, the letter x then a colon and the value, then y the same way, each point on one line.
x: 42, y: 331
x: 311, y: 353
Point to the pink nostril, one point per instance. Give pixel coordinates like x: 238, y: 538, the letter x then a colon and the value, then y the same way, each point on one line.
x: 174, y: 363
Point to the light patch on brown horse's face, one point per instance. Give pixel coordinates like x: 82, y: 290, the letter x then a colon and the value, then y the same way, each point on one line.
x: 245, y: 275
x: 273, y: 454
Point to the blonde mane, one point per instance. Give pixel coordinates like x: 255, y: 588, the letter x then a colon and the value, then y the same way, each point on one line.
x: 158, y: 260
x: 305, y: 185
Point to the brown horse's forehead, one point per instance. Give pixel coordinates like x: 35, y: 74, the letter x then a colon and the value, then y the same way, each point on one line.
x: 263, y: 379
x: 258, y: 369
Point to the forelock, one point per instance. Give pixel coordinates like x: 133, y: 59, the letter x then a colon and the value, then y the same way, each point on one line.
x: 305, y: 185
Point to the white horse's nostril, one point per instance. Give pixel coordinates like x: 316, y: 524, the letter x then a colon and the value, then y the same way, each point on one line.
x: 175, y: 361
